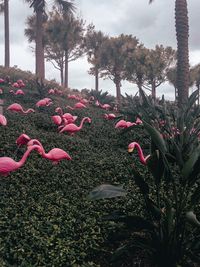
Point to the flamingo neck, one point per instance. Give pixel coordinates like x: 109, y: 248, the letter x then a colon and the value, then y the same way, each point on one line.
x: 70, y: 107
x: 140, y: 153
x: 81, y: 125
x: 60, y: 111
x: 26, y: 154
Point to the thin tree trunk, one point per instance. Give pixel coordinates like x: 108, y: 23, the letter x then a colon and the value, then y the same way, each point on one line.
x: 117, y: 82
x: 96, y: 79
x: 6, y: 32
x: 40, y: 68
x: 66, y: 70
x: 62, y: 76
x: 153, y: 90
x: 182, y: 34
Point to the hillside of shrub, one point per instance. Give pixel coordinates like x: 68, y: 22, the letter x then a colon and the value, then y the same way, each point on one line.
x: 46, y: 217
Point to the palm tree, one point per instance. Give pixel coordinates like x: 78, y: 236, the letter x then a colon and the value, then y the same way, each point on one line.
x: 4, y: 7
x: 39, y: 8
x: 182, y: 34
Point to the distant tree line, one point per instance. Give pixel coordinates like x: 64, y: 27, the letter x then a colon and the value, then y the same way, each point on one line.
x: 61, y: 37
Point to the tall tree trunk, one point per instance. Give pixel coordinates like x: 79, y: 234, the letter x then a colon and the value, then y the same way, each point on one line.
x: 66, y: 69
x: 40, y: 68
x: 117, y: 82
x: 153, y: 90
x: 182, y: 34
x: 62, y: 76
x: 96, y: 78
x: 6, y: 32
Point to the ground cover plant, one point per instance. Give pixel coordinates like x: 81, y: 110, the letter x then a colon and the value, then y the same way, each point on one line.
x: 46, y: 216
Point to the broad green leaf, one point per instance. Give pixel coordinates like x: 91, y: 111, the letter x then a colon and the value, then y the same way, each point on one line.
x: 195, y: 198
x: 192, y: 219
x: 156, y: 137
x: 135, y: 223
x: 155, y: 211
x: 107, y: 191
x: 140, y: 182
x: 188, y: 166
x: 156, y: 166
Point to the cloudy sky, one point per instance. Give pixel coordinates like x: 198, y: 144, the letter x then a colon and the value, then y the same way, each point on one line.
x: 151, y: 24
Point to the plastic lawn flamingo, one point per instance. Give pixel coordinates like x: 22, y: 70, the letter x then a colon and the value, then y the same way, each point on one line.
x: 133, y: 145
x: 3, y: 120
x: 78, y: 105
x: 109, y: 116
x: 18, y: 92
x: 72, y: 128
x: 55, y: 154
x: 121, y: 124
x: 45, y: 102
x: 8, y: 165
x: 57, y: 119
x: 18, y: 108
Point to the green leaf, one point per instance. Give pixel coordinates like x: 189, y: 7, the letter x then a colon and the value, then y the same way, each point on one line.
x: 188, y: 166
x: 140, y: 182
x: 135, y: 223
x: 106, y: 191
x: 192, y: 219
x: 156, y: 137
x: 195, y: 198
x: 155, y: 211
x: 156, y: 166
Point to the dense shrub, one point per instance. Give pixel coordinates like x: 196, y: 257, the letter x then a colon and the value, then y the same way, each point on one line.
x: 46, y: 217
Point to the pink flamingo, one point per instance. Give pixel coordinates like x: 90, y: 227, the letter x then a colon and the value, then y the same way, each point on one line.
x: 18, y: 108
x: 138, y: 121
x: 124, y: 124
x: 66, y: 116
x: 57, y: 119
x: 129, y: 124
x: 51, y: 92
x: 23, y: 139
x: 73, y: 97
x: 15, y: 85
x: 105, y: 106
x: 18, y: 92
x: 45, y: 102
x: 133, y: 145
x: 1, y: 91
x: 121, y: 124
x: 20, y: 83
x: 110, y: 116
x: 55, y: 154
x: 78, y: 105
x: 8, y: 165
x: 2, y: 80
x: 3, y: 120
x: 72, y: 128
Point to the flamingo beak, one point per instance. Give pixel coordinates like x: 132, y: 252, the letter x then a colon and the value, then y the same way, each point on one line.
x: 130, y: 150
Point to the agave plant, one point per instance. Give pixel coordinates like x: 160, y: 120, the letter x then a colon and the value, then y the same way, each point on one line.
x: 169, y: 231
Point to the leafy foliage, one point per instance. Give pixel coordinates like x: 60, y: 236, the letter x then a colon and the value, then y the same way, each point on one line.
x: 171, y: 196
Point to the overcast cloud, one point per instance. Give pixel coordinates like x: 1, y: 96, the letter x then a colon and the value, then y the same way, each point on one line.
x: 151, y: 24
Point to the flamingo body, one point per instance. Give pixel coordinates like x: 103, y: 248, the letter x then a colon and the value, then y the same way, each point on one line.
x: 57, y: 119
x: 72, y: 128
x: 110, y: 116
x: 78, y: 105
